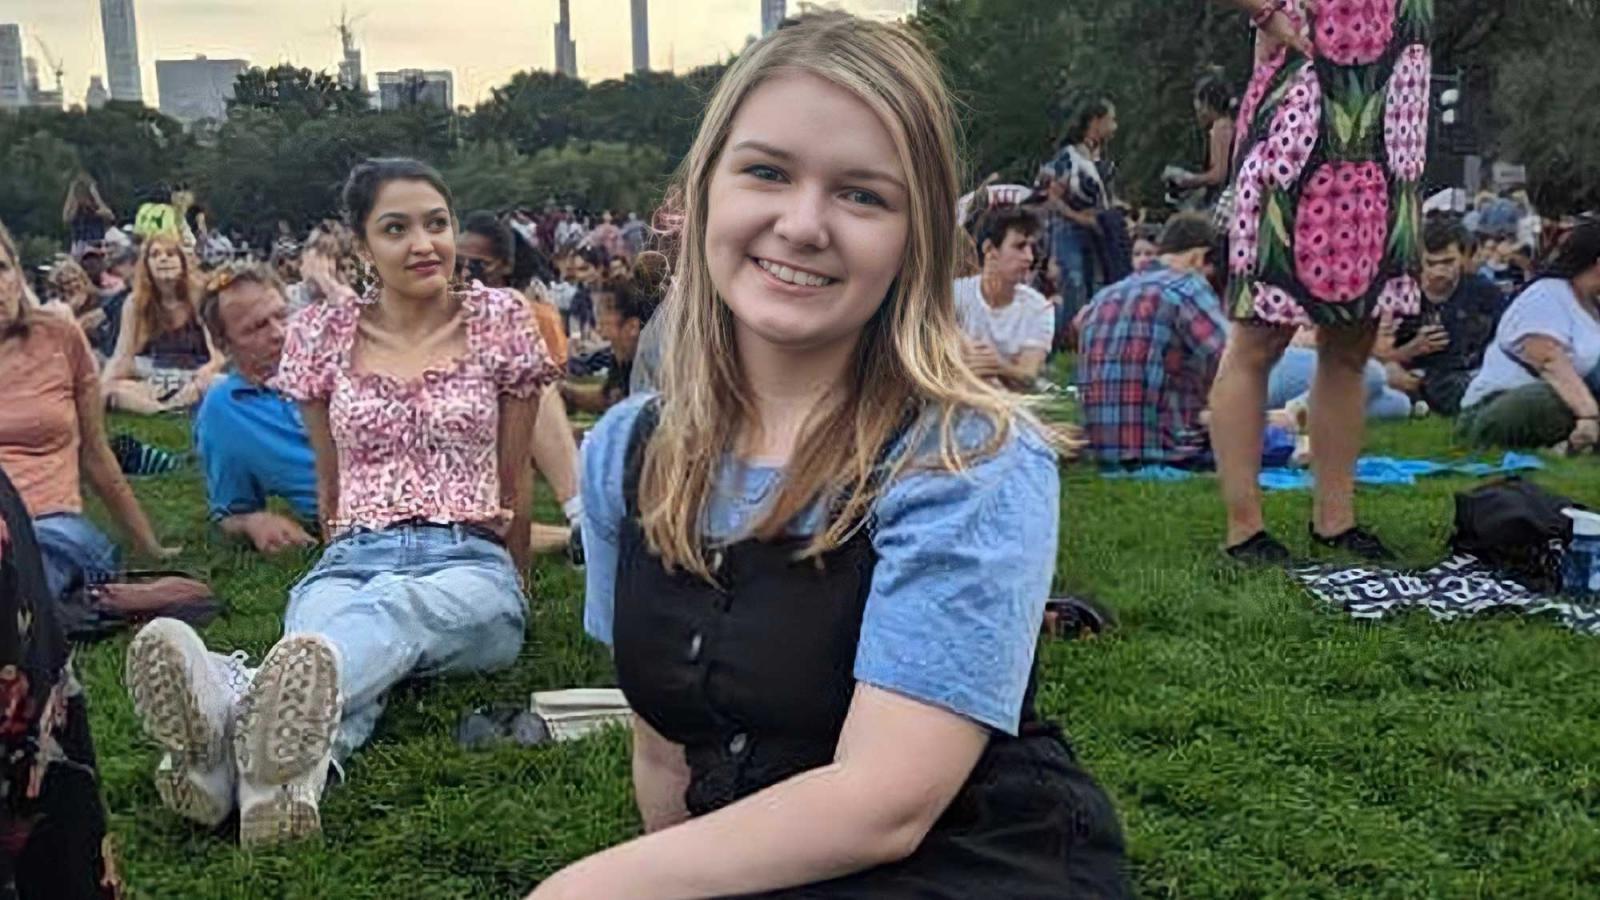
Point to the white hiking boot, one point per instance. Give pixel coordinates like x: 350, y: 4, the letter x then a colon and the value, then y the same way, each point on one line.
x: 284, y: 740
x: 185, y: 697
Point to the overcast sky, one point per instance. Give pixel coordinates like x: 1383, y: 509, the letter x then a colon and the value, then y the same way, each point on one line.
x: 481, y: 41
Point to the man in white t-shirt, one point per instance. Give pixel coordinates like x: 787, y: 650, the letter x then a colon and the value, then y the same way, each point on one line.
x: 1007, y: 325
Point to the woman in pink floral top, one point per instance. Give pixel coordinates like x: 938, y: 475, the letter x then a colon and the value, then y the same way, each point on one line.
x: 420, y: 402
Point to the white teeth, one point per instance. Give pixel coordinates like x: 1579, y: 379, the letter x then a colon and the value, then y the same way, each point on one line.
x: 784, y: 273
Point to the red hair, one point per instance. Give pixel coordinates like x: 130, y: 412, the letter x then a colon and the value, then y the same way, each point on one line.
x: 146, y: 297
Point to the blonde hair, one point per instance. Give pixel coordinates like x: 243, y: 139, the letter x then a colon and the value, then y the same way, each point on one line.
x: 145, y: 296
x: 8, y: 247
x: 908, y: 356
x: 69, y: 266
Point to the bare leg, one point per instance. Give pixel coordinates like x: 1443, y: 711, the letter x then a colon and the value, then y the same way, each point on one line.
x: 133, y: 395
x: 555, y: 453
x: 543, y: 539
x: 555, y: 456
x: 1338, y: 424
x: 1238, y: 398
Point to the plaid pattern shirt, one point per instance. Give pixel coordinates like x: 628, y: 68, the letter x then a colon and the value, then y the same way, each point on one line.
x: 1150, y: 348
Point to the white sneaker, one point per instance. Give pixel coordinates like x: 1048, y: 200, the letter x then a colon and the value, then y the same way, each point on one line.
x: 185, y: 696
x: 284, y: 740
x: 204, y: 794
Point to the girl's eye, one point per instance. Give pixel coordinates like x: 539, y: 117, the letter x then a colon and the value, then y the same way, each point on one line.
x: 394, y: 228
x: 865, y: 198
x: 765, y: 173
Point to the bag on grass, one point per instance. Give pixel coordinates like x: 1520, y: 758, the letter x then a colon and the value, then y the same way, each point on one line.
x: 92, y: 612
x: 1517, y: 527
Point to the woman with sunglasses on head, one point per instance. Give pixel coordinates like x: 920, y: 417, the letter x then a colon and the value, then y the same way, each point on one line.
x: 821, y: 554
x: 491, y: 252
x: 419, y: 400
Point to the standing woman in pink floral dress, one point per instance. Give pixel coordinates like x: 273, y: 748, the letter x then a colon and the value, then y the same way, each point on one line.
x: 1325, y: 231
x: 419, y: 400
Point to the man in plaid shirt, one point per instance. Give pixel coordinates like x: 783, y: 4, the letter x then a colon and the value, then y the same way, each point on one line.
x: 1150, y: 347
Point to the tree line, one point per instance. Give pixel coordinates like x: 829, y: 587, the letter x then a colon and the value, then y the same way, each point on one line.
x: 1019, y: 68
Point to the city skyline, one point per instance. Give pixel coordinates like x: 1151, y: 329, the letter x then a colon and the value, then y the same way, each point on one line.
x: 483, y: 42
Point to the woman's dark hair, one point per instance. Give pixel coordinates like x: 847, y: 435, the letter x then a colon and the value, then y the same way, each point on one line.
x: 629, y: 299
x: 593, y: 255
x: 1088, y: 112
x: 366, y: 179
x: 1577, y: 253
x: 509, y: 247
x: 1213, y: 91
x: 540, y: 266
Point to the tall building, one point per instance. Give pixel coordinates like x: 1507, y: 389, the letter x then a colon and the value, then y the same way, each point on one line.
x: 641, y: 35
x: 97, y: 94
x: 13, y: 77
x: 196, y: 89
x: 122, y: 50
x: 414, y: 87
x: 566, y: 47
x: 772, y: 15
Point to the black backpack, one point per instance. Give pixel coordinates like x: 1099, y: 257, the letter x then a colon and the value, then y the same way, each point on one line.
x: 1516, y: 527
x: 53, y: 840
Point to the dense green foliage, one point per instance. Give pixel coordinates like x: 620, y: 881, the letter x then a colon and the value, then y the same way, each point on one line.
x: 1019, y: 68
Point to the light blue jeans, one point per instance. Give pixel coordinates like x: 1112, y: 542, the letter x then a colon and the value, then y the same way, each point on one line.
x: 75, y: 553
x: 1291, y: 379
x: 406, y: 601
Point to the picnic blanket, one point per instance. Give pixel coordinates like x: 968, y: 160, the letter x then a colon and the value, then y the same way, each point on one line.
x: 1460, y: 587
x: 1370, y: 470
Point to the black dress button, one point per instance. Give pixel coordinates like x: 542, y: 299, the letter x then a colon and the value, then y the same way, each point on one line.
x: 696, y: 644
x: 737, y: 743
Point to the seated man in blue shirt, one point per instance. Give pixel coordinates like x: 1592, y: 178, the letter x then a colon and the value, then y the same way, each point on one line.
x: 251, y: 440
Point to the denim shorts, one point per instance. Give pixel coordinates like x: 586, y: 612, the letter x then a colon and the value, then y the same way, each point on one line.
x: 75, y: 553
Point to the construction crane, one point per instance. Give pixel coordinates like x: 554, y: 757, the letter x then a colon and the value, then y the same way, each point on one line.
x: 53, y: 60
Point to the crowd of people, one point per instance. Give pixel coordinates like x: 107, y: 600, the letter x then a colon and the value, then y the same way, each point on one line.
x: 817, y: 353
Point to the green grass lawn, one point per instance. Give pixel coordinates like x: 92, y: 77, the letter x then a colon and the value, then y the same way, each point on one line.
x: 1255, y: 744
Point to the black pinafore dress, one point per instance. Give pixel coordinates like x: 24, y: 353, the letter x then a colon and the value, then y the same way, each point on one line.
x: 754, y: 680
